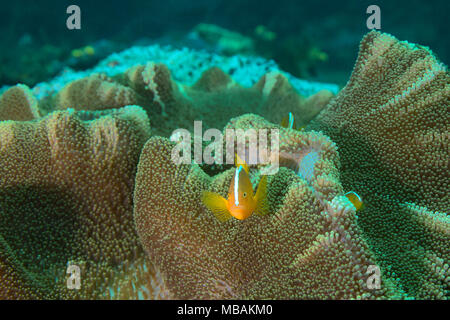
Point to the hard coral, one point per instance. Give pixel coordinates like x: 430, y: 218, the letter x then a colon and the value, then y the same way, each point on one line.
x: 309, y: 247
x: 390, y: 123
x: 66, y: 198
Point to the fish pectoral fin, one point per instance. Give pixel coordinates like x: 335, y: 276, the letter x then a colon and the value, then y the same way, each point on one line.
x: 262, y: 202
x: 217, y: 205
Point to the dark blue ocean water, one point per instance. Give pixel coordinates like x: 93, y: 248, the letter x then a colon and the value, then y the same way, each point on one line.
x: 36, y: 44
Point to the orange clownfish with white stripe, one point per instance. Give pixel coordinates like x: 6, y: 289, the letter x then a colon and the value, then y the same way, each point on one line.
x: 241, y: 202
x: 289, y: 122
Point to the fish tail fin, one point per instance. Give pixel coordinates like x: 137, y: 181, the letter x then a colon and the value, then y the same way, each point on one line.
x: 262, y: 202
x: 217, y: 205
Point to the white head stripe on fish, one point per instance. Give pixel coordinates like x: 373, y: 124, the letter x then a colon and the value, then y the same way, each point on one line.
x: 359, y: 198
x: 291, y: 120
x: 236, y: 186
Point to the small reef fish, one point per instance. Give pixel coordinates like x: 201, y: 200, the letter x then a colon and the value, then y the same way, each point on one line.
x: 241, y: 202
x: 82, y: 52
x: 289, y: 122
x: 355, y: 199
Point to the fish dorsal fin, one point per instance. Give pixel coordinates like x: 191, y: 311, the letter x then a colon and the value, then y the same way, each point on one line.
x: 239, y: 162
x: 262, y: 202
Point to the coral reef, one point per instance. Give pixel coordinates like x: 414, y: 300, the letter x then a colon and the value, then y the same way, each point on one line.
x: 312, y: 229
x: 295, y: 52
x: 172, y: 105
x: 222, y: 40
x: 95, y: 92
x: 18, y: 103
x: 74, y: 202
x: 84, y: 183
x: 66, y: 197
x: 24, y: 61
x: 390, y: 123
x: 186, y: 66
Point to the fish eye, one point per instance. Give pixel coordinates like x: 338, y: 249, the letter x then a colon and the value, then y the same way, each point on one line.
x: 244, y: 194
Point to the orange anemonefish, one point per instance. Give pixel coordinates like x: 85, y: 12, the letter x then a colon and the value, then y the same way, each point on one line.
x: 355, y: 199
x: 289, y: 122
x: 241, y: 202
